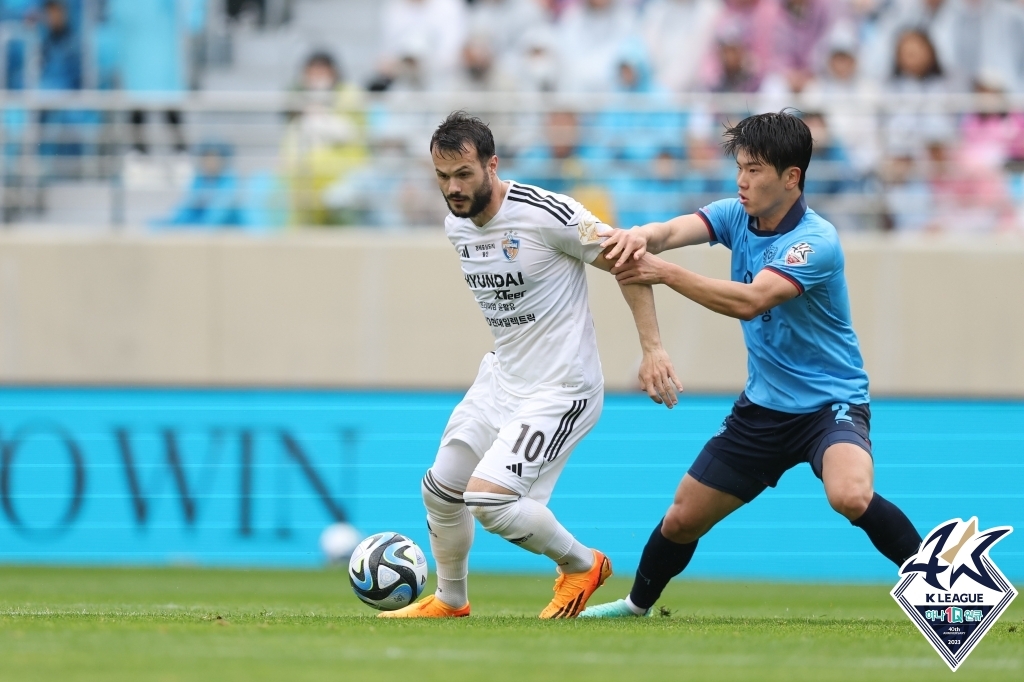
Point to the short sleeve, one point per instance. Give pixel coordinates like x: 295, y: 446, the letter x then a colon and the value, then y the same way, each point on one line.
x: 807, y: 262
x: 570, y: 239
x: 722, y: 219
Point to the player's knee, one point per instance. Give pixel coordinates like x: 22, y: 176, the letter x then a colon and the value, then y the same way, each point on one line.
x: 439, y: 499
x: 683, y: 527
x: 850, y: 500
x: 494, y: 511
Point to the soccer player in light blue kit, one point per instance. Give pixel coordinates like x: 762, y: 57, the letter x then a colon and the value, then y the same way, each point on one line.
x: 806, y: 398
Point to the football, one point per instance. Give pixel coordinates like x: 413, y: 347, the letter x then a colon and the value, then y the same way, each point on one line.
x: 387, y: 571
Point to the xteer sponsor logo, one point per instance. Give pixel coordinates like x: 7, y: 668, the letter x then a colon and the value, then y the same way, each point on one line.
x: 952, y: 590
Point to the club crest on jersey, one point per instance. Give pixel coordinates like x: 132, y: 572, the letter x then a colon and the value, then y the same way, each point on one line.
x: 951, y: 589
x: 798, y: 253
x: 510, y: 246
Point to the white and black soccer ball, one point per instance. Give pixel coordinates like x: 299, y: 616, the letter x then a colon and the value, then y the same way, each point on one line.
x: 387, y: 571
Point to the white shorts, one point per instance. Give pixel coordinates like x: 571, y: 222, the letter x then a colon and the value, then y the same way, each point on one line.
x: 518, y: 443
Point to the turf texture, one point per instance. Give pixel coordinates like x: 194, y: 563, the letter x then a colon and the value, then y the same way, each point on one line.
x: 192, y: 624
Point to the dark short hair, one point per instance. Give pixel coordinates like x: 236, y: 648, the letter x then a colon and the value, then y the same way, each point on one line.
x: 460, y: 130
x: 779, y: 140
x: 322, y: 58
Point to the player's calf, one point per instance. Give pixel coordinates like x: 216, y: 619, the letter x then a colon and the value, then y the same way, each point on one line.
x: 530, y: 525
x: 696, y: 509
x: 450, y: 527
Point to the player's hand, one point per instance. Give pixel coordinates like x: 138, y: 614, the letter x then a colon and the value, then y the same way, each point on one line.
x: 658, y: 378
x: 621, y: 244
x: 646, y: 270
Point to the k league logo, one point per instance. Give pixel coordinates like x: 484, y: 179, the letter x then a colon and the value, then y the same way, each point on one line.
x: 952, y: 590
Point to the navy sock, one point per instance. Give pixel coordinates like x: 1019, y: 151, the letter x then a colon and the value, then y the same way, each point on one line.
x: 661, y: 561
x: 889, y: 530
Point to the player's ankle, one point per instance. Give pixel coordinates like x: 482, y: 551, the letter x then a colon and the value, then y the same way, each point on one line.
x: 579, y: 559
x: 633, y: 607
x: 455, y: 607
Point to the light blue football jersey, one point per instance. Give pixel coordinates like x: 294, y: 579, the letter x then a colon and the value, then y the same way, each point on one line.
x: 803, y: 354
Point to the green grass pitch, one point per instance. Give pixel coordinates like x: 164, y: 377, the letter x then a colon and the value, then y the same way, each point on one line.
x: 191, y: 624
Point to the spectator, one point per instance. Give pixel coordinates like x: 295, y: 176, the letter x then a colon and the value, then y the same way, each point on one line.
x: 970, y: 37
x: 917, y: 71
x: 934, y: 18
x: 751, y: 25
x: 846, y: 98
x: 212, y: 197
x: 802, y: 26
x: 992, y: 139
x: 64, y: 133
x: 967, y: 198
x: 479, y: 71
x: 830, y: 171
x: 678, y: 33
x: 656, y: 195
x: 430, y: 33
x: 988, y: 36
x: 389, y: 191
x: 638, y: 135
x: 734, y: 70
x: 565, y: 163
x: 502, y: 23
x: 152, y: 60
x: 324, y: 142
x: 907, y: 195
x: 60, y: 50
x: 832, y: 178
x: 590, y: 37
x: 535, y: 63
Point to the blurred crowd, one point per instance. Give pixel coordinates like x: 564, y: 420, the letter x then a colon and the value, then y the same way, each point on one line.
x: 349, y: 156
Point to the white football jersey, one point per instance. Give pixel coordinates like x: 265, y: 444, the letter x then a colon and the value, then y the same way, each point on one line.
x: 526, y: 269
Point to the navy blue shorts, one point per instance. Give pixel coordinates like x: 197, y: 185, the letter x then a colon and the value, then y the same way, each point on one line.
x: 755, y: 445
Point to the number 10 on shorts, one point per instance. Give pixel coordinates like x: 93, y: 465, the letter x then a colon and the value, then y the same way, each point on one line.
x: 533, y: 446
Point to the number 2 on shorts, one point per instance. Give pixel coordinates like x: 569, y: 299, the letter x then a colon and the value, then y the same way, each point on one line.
x: 841, y: 409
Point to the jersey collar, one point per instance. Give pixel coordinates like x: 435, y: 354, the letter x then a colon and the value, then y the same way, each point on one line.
x: 788, y: 222
x: 490, y: 223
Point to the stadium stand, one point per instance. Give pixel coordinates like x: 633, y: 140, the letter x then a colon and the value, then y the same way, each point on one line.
x: 108, y: 124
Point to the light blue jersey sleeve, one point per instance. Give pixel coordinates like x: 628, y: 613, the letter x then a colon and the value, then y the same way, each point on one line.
x: 811, y: 260
x: 723, y: 219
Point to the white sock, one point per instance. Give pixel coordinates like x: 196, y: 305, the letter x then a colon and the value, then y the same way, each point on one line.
x: 451, y: 535
x: 633, y: 607
x: 532, y: 526
x: 578, y: 559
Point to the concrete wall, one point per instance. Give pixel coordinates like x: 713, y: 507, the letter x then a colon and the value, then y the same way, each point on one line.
x: 935, y: 315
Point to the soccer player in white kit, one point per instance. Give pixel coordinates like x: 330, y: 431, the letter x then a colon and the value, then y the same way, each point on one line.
x: 540, y: 391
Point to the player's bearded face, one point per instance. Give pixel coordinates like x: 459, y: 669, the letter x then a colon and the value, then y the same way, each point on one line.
x: 477, y: 198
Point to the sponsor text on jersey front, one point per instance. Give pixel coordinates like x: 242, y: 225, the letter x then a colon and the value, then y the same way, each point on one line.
x: 526, y: 270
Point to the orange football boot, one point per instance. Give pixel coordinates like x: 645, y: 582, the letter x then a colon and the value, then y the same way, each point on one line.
x: 572, y: 590
x: 428, y: 607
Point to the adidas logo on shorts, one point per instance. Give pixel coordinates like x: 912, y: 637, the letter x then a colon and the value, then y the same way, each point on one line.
x: 516, y: 469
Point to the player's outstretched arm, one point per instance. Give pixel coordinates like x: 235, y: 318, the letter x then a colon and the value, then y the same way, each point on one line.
x: 684, y: 230
x: 735, y: 299
x: 657, y: 375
